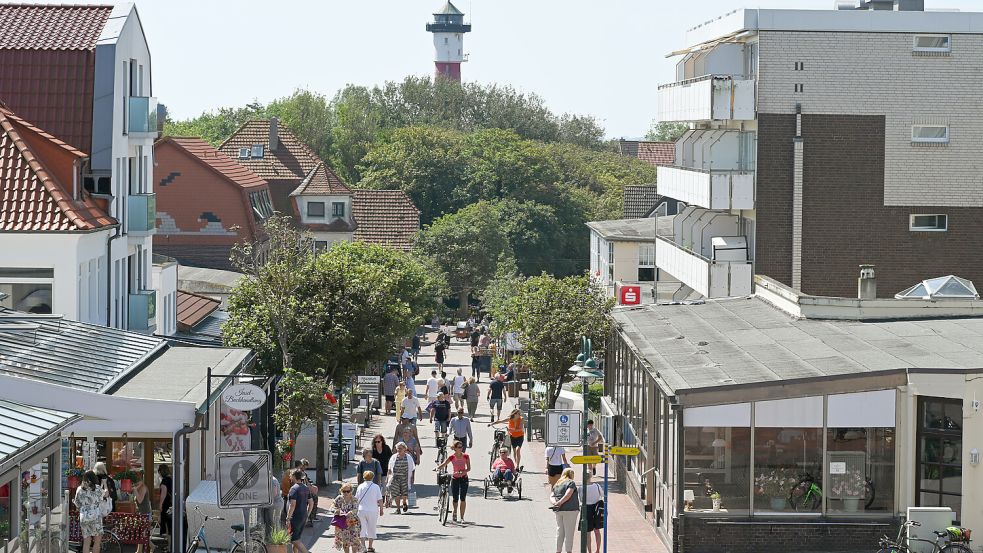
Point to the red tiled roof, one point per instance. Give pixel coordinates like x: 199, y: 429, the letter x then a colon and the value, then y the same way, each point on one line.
x: 217, y: 161
x: 655, y: 153
x: 193, y: 308
x: 321, y: 181
x: 291, y: 160
x: 385, y: 217
x: 36, y: 179
x: 51, y: 27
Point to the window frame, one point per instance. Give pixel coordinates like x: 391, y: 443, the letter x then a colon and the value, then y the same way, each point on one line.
x: 937, y: 49
x: 941, y: 434
x: 930, y: 140
x: 245, y: 153
x: 312, y: 215
x: 913, y: 228
x: 334, y: 211
x: 253, y: 150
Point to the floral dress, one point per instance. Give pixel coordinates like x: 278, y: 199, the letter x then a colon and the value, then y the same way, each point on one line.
x: 89, y: 499
x: 347, y: 536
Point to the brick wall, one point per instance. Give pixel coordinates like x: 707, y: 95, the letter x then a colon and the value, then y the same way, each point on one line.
x: 845, y: 222
x: 701, y: 535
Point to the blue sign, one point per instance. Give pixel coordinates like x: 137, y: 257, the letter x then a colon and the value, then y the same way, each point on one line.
x: 564, y: 419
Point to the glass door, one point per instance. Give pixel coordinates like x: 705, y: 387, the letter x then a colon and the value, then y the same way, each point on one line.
x: 938, y: 475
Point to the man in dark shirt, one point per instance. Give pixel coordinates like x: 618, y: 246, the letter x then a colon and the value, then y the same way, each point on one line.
x: 475, y: 336
x: 440, y: 411
x: 497, y: 395
x: 299, y: 504
x: 415, y: 347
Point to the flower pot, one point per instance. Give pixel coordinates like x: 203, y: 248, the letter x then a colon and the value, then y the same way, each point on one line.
x: 778, y: 504
x: 716, y: 505
x: 74, y: 482
x: 276, y: 548
x: 851, y: 504
x: 126, y: 485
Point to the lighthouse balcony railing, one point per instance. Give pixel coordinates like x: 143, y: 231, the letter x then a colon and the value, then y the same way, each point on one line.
x: 448, y: 27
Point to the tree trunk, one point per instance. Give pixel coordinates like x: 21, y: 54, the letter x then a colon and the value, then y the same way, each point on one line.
x: 463, y: 309
x: 319, y: 480
x: 554, y: 393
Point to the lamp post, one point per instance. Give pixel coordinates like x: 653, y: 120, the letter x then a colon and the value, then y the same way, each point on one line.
x: 584, y: 368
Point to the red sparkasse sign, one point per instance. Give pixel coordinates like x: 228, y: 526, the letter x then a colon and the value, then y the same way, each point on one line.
x: 630, y: 295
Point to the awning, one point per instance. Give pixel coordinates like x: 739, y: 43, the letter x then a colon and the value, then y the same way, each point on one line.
x: 709, y: 44
x: 539, y: 388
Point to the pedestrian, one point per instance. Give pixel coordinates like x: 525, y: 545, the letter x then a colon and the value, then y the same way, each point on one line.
x: 485, y: 340
x: 411, y: 406
x: 141, y: 494
x: 458, y: 389
x: 381, y: 452
x: 299, y: 506
x: 440, y: 414
x: 369, y: 498
x: 305, y: 465
x: 594, y: 442
x: 409, y: 374
x: 566, y: 507
x: 517, y: 433
x: 503, y: 469
x: 412, y: 445
x: 438, y: 353
x: 106, y: 481
x: 285, y: 483
x: 497, y: 395
x: 405, y: 356
x: 389, y: 383
x: 88, y: 499
x: 460, y: 427
x: 401, y: 467
x: 475, y: 335
x: 165, y: 494
x: 593, y: 499
x: 400, y: 396
x: 347, y: 526
x: 556, y: 460
x: 433, y: 386
x: 444, y: 385
x: 476, y: 364
x: 471, y: 396
x: 461, y: 463
x: 404, y: 424
x: 368, y: 464
x: 415, y: 347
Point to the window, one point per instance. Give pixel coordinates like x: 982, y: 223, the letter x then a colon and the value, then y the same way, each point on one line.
x: 799, y: 66
x: 646, y: 262
x: 315, y: 209
x: 27, y: 289
x: 929, y: 223
x: 860, y: 443
x: 337, y: 209
x: 716, y: 456
x: 932, y: 43
x: 930, y: 133
x: 257, y: 150
x: 788, y: 455
x: 610, y: 261
x: 939, y: 441
x: 260, y: 202
x: 243, y: 153
x: 799, y: 87
x: 320, y: 245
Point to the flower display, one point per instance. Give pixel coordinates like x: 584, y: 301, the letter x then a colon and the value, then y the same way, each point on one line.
x: 849, y: 484
x: 775, y: 483
x: 285, y: 448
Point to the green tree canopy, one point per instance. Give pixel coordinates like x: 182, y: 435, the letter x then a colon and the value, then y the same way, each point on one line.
x: 666, y: 132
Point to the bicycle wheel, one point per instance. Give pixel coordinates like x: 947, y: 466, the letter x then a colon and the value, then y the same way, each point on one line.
x: 48, y: 544
x: 441, y: 455
x: 442, y: 509
x: 956, y: 548
x: 110, y: 543
x: 253, y: 546
x: 869, y: 494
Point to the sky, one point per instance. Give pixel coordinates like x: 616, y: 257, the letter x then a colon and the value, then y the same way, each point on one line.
x: 601, y: 58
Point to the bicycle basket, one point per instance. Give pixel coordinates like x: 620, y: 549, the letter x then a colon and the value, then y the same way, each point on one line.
x: 441, y: 441
x: 957, y: 534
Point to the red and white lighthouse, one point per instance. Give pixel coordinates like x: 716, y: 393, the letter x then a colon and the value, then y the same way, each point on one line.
x: 448, y: 30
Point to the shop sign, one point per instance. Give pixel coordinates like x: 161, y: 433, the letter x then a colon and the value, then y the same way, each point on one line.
x: 244, y: 479
x: 244, y: 397
x: 630, y: 295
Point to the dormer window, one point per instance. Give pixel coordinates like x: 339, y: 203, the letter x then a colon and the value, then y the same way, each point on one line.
x: 257, y: 151
x: 315, y: 209
x: 243, y: 153
x: 338, y: 210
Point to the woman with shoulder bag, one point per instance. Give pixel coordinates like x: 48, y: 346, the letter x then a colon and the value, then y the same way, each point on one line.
x: 92, y: 501
x: 594, y: 500
x: 566, y: 506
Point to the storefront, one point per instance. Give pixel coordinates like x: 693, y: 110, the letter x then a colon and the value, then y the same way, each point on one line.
x: 790, y: 424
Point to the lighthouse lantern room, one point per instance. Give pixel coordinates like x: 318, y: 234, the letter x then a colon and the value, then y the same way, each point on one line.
x: 448, y: 30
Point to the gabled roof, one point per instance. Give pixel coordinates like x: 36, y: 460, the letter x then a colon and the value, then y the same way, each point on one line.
x: 321, y: 181
x: 654, y: 153
x: 51, y: 27
x: 449, y: 9
x: 639, y: 200
x: 292, y: 159
x: 216, y: 160
x: 193, y: 308
x: 385, y: 217
x: 36, y: 182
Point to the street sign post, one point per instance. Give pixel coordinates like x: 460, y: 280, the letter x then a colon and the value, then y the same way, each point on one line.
x: 587, y: 459
x: 564, y: 427
x: 619, y: 450
x: 244, y: 479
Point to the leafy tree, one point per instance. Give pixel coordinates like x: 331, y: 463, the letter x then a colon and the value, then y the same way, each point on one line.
x: 550, y: 315
x: 664, y: 131
x: 310, y: 116
x: 466, y: 245
x: 300, y: 401
x: 215, y: 126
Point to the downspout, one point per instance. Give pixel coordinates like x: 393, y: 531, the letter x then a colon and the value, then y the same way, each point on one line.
x: 177, y: 480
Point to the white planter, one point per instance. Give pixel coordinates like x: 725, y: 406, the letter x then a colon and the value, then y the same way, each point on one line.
x: 716, y: 505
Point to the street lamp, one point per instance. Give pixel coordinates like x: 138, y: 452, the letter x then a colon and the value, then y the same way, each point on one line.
x: 584, y: 368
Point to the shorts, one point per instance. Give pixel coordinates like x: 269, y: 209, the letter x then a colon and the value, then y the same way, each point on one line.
x: 588, y: 450
x: 458, y: 396
x: 459, y: 489
x: 415, y: 351
x: 391, y: 399
x: 297, y: 528
x: 554, y: 470
x: 440, y: 427
x: 517, y: 441
x: 495, y: 403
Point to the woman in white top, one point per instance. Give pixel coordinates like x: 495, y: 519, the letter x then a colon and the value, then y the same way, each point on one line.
x: 556, y: 458
x: 594, y: 501
x: 369, y: 498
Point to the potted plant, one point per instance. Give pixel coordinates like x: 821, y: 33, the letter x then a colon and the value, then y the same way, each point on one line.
x: 715, y: 497
x: 850, y: 488
x: 279, y: 540
x: 74, y: 477
x: 775, y: 485
x: 125, y: 478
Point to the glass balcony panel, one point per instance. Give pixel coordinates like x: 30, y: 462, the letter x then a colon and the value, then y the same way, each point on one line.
x: 141, y: 115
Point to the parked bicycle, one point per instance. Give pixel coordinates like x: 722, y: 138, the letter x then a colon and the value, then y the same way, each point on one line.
x: 952, y: 540
x: 806, y: 495
x: 246, y: 544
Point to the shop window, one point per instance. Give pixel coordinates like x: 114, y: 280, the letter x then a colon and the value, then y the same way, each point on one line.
x: 938, y: 475
x: 716, y: 457
x: 788, y: 455
x: 26, y: 289
x: 860, y: 452
x: 162, y: 456
x: 6, y: 514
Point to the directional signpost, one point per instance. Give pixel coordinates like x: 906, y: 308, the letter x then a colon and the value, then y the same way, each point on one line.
x: 587, y: 459
x: 630, y: 451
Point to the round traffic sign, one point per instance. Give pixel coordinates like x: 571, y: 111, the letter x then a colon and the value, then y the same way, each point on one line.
x: 564, y: 419
x: 239, y: 469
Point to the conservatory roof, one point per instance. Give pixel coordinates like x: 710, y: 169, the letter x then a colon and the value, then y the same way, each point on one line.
x: 940, y: 288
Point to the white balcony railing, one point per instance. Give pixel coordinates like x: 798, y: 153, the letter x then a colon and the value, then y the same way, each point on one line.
x: 712, y: 279
x: 709, y: 189
x: 710, y: 98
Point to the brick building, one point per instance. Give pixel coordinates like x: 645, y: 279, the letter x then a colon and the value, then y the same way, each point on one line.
x: 206, y: 203
x: 821, y: 141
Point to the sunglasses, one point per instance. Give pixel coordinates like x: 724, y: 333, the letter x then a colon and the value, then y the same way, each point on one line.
x: 346, y: 491
x: 378, y: 441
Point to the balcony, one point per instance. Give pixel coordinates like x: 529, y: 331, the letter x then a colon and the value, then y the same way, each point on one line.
x: 709, y: 98
x: 141, y: 115
x: 709, y: 189
x: 142, y: 313
x: 141, y: 216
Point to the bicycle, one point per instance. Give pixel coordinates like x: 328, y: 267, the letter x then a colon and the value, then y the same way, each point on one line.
x: 944, y: 541
x: 806, y: 495
x: 110, y: 542
x: 500, y: 442
x: 252, y: 545
x: 443, y: 507
x: 441, y: 448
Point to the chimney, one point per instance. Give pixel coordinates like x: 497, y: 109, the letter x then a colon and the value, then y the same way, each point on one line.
x: 867, y: 283
x: 274, y: 134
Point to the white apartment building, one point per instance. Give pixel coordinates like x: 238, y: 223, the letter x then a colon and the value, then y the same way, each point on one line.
x: 105, y: 108
x: 822, y: 140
